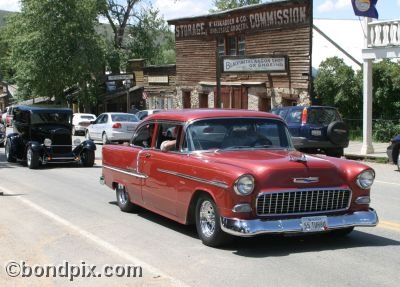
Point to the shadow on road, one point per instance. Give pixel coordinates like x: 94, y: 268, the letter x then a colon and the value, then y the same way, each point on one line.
x: 279, y: 245
x: 267, y: 246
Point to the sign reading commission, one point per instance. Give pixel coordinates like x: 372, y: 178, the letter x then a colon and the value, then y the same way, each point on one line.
x: 261, y: 17
x: 264, y: 64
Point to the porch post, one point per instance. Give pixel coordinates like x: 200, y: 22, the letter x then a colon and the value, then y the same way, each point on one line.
x: 367, y: 147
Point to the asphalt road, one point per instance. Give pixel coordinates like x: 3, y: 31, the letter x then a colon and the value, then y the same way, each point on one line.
x: 61, y: 214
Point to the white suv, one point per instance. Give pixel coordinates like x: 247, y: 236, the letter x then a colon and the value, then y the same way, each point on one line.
x: 80, y: 122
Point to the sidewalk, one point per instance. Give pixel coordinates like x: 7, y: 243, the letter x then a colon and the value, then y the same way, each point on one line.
x: 353, y: 151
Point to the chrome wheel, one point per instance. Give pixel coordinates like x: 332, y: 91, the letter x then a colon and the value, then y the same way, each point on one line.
x: 207, y: 218
x: 122, y: 195
x: 104, y: 138
x: 398, y: 161
x: 29, y: 157
x: 123, y: 200
x: 7, y: 150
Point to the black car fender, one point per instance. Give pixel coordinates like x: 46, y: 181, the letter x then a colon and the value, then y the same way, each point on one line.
x: 85, y: 145
x: 35, y: 146
x: 16, y: 142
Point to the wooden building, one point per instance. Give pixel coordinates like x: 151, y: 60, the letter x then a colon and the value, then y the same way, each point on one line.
x: 263, y: 53
x: 160, y: 87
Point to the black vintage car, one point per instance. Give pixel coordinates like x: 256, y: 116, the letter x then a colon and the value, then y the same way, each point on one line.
x: 44, y: 135
x: 393, y: 151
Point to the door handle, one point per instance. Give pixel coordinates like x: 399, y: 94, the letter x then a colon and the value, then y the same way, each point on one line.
x: 147, y: 155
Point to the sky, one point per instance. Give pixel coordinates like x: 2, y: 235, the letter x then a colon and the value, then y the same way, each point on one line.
x: 323, y: 9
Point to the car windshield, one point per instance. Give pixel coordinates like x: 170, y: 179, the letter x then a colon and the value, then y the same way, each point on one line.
x: 124, y: 118
x: 322, y: 116
x: 237, y: 133
x: 51, y: 118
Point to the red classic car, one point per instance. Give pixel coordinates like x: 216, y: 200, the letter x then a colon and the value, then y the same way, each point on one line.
x: 235, y: 172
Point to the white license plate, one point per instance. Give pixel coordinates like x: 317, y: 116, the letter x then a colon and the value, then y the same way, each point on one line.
x: 314, y: 224
x: 317, y: 133
x: 131, y: 129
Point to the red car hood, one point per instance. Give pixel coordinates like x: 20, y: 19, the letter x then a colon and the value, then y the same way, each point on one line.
x: 281, y: 169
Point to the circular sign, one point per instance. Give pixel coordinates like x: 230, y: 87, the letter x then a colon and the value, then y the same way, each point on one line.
x: 363, y: 5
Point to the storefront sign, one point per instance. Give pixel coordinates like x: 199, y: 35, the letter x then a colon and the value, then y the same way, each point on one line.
x: 158, y: 79
x: 263, y: 64
x: 120, y: 77
x: 265, y: 17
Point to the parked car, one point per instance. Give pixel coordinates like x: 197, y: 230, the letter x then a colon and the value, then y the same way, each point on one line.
x: 7, y: 116
x: 245, y: 180
x: 393, y: 151
x: 80, y: 122
x: 2, y: 134
x: 144, y: 113
x: 316, y: 129
x: 112, y: 127
x: 3, y: 116
x: 43, y: 136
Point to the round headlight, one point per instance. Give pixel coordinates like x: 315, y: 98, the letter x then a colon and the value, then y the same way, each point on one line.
x: 47, y: 142
x: 244, y: 185
x: 366, y: 179
x: 77, y: 141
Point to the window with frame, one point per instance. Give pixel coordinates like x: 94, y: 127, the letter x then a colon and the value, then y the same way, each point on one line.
x: 232, y: 46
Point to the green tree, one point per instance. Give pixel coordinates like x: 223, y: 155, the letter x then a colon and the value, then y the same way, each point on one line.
x: 386, y: 90
x: 54, y: 47
x: 221, y: 5
x: 138, y: 32
x: 338, y: 85
x: 151, y: 39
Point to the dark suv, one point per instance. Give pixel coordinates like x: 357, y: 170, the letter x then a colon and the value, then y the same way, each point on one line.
x: 316, y: 129
x: 43, y: 135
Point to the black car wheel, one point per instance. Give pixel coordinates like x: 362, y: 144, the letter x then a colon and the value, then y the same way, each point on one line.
x: 398, y: 160
x: 32, y: 158
x: 338, y: 133
x: 87, y: 158
x: 123, y: 200
x: 335, y: 152
x: 104, y: 138
x: 87, y: 135
x: 8, y: 152
x: 208, y: 222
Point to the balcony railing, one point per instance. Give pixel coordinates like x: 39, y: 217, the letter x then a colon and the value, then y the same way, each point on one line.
x: 384, y: 33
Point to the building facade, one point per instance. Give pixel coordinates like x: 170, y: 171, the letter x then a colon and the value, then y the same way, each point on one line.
x: 255, y: 57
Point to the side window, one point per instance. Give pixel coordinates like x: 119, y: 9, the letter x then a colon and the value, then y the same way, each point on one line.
x: 294, y: 117
x: 168, y: 137
x: 105, y: 119
x: 144, y: 136
x: 99, y: 119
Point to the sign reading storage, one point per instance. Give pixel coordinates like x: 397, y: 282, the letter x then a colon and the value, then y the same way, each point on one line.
x: 264, y: 64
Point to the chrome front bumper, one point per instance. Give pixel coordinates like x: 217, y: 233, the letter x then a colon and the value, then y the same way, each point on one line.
x: 248, y: 228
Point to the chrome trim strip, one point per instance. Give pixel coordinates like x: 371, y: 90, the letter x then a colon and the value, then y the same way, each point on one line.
x: 248, y: 228
x: 305, y: 190
x: 132, y: 173
x: 306, y: 180
x: 210, y: 182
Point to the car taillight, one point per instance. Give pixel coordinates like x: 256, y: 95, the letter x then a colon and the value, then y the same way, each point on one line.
x: 304, y: 117
x: 117, y: 126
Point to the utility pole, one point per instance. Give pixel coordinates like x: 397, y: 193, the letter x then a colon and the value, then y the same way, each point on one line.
x: 218, y: 79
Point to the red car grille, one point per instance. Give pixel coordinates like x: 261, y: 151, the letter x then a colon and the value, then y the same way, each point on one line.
x: 303, y: 201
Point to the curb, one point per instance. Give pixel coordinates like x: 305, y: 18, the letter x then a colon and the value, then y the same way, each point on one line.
x: 378, y: 159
